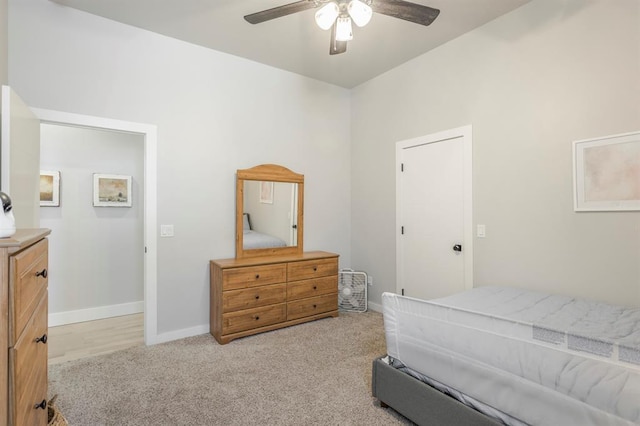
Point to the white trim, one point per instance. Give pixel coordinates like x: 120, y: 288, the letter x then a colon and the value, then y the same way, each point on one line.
x: 150, y: 132
x: 465, y: 133
x: 5, y: 132
x: 183, y: 333
x: 91, y: 314
x: 376, y: 307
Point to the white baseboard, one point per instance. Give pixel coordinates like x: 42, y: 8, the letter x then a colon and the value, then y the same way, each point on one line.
x: 180, y: 334
x: 204, y: 329
x: 374, y: 306
x: 90, y: 314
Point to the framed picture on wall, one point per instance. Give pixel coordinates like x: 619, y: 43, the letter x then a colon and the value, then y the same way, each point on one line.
x: 606, y: 173
x: 111, y: 190
x: 266, y: 192
x: 49, y: 188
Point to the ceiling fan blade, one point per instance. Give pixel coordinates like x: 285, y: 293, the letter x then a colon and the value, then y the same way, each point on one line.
x: 401, y: 9
x: 277, y: 12
x: 336, y: 47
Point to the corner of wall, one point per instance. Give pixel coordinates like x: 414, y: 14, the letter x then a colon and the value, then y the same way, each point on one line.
x: 4, y: 42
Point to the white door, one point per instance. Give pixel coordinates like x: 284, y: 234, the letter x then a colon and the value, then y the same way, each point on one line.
x: 20, y: 159
x: 434, y: 214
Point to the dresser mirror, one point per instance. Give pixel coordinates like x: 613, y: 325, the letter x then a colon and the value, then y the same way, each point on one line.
x: 269, y: 211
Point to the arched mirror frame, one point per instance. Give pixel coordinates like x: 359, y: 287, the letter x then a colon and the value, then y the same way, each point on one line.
x: 273, y: 173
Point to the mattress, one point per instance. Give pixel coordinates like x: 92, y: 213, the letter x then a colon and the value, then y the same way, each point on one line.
x: 541, y: 359
x: 255, y: 240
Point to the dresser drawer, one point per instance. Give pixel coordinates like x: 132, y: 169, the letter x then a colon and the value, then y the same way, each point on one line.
x: 311, y: 306
x: 28, y: 371
x: 312, y: 269
x: 27, y: 284
x: 253, y: 297
x: 312, y: 288
x: 253, y: 318
x: 237, y: 278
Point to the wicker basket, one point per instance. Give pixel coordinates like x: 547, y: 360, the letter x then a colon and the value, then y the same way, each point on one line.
x: 55, y: 416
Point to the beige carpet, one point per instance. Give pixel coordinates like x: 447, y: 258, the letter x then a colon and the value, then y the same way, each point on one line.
x: 317, y: 373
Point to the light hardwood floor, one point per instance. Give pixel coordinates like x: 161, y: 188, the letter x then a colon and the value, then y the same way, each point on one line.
x: 91, y: 338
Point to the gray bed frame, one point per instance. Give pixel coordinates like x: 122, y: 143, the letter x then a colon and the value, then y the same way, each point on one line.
x: 419, y: 402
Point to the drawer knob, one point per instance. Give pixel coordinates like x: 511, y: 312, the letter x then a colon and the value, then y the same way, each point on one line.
x: 42, y: 339
x: 315, y: 268
x: 257, y: 318
x: 42, y: 273
x: 257, y: 276
x: 42, y: 405
x: 315, y: 287
x: 257, y: 296
x: 314, y: 306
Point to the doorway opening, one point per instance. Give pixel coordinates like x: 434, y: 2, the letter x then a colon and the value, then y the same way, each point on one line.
x: 148, y: 134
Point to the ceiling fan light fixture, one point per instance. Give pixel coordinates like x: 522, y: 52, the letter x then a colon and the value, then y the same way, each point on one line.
x: 327, y: 14
x: 360, y: 12
x: 344, y: 31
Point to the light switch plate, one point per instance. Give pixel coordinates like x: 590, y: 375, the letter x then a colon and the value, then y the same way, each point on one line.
x: 482, y: 231
x: 166, y: 230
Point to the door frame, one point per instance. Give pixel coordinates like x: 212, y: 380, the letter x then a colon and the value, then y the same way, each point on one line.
x: 464, y: 132
x: 24, y: 191
x: 150, y: 135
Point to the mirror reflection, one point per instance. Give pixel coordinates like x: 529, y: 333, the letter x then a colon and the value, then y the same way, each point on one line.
x: 270, y: 214
x: 272, y: 197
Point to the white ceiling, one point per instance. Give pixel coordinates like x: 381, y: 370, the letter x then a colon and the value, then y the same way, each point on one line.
x: 294, y: 42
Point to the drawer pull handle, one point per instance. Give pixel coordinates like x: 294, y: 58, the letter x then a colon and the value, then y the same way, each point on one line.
x: 257, y: 296
x: 315, y: 287
x: 42, y: 339
x: 314, y: 306
x: 42, y: 405
x: 257, y: 276
x: 42, y: 273
x: 257, y: 318
x: 315, y: 268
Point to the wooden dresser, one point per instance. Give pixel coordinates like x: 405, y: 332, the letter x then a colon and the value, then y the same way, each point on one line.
x: 23, y: 328
x: 257, y: 294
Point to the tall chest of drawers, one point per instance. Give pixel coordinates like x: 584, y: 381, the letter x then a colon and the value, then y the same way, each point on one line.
x: 23, y: 328
x: 254, y: 295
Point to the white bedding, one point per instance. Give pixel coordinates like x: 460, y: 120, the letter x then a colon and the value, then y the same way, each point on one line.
x: 255, y: 240
x: 542, y: 359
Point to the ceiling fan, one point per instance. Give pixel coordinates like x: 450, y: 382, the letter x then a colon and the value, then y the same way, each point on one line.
x: 338, y: 15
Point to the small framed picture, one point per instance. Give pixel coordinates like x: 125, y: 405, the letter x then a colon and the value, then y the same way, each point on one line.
x: 49, y: 188
x: 606, y: 173
x: 266, y: 192
x: 111, y: 190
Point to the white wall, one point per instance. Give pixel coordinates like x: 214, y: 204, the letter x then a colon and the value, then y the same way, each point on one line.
x: 96, y: 253
x: 4, y: 42
x: 270, y: 218
x: 215, y: 113
x: 530, y: 83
